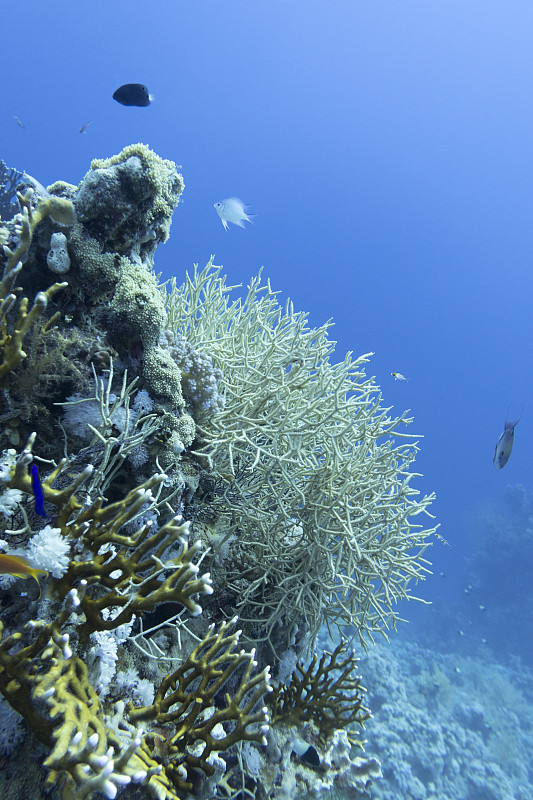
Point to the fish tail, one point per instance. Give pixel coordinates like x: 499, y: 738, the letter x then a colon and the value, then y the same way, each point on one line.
x: 35, y: 578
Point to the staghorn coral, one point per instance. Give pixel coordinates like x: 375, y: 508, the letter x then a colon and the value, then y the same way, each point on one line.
x: 322, y: 525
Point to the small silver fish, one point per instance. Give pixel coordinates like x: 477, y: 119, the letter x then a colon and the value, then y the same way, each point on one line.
x: 398, y: 376
x: 232, y: 210
x: 505, y: 444
x: 19, y: 122
x: 84, y: 127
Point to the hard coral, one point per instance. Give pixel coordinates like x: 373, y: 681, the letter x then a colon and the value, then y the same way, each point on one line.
x: 191, y: 701
x: 127, y: 201
x: 329, y: 695
x: 318, y: 500
x: 11, y: 338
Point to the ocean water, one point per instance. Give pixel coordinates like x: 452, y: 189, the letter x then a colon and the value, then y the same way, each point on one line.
x: 386, y: 153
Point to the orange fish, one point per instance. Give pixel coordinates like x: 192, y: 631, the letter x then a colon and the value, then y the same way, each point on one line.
x: 20, y: 567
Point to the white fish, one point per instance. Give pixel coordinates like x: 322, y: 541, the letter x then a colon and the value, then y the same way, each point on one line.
x: 398, y: 376
x: 232, y: 210
x: 505, y: 444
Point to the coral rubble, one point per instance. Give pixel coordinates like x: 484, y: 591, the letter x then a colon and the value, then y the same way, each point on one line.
x: 193, y: 459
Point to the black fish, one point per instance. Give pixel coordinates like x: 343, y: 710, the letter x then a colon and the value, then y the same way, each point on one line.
x: 132, y: 94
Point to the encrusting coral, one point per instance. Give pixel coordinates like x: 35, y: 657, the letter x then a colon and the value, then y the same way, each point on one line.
x: 201, y: 457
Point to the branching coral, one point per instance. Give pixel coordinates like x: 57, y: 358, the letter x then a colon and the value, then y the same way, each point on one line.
x: 122, y: 571
x: 126, y: 574
x: 49, y: 686
x: 11, y: 339
x: 191, y: 700
x: 322, y: 526
x: 330, y: 695
x: 234, y: 415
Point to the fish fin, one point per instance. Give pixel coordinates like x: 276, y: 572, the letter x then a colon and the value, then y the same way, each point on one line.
x: 239, y: 222
x: 225, y: 224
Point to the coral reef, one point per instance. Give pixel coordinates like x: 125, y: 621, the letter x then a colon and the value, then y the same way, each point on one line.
x: 448, y: 726
x: 172, y: 459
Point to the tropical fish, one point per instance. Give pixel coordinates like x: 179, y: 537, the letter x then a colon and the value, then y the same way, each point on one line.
x: 133, y: 94
x: 37, y: 491
x: 442, y: 540
x: 398, y: 376
x: 19, y: 122
x: 84, y: 127
x: 20, y: 567
x: 232, y: 210
x: 505, y: 443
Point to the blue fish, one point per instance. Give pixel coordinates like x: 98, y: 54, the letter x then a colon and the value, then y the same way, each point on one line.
x: 37, y: 491
x: 505, y: 443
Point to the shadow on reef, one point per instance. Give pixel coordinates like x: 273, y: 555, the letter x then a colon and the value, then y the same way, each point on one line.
x: 173, y: 458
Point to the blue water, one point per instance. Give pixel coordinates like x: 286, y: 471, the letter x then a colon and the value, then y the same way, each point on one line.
x: 386, y: 150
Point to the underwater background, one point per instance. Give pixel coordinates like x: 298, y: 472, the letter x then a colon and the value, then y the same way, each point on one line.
x: 386, y: 152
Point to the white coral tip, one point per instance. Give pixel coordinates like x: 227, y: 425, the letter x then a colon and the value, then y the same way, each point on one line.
x: 139, y: 776
x: 265, y: 728
x: 122, y: 780
x: 76, y: 739
x: 48, y: 693
x: 110, y: 790
x: 74, y: 597
x: 109, y: 766
x: 92, y: 741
